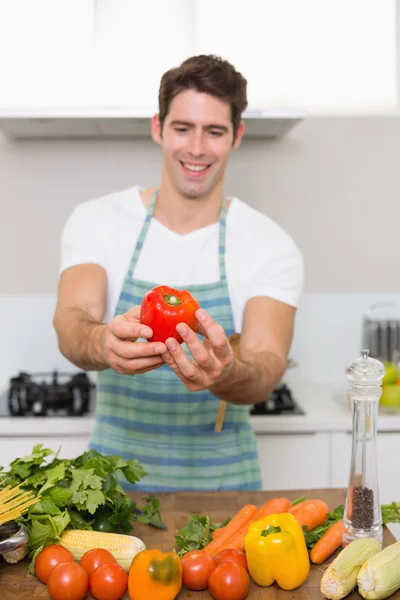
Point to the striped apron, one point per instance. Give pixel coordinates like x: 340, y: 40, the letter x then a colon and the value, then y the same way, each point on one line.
x: 155, y: 419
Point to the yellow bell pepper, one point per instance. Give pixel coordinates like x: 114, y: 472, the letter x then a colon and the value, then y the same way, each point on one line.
x: 276, y: 551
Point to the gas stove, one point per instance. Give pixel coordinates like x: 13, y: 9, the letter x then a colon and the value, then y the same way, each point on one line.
x: 280, y: 402
x: 50, y: 394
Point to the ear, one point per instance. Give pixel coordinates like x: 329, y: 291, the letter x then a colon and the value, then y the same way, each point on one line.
x: 239, y: 135
x: 156, y: 129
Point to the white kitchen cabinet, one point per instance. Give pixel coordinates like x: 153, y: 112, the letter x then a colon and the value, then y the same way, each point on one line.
x: 289, y: 51
x: 294, y: 460
x: 46, y: 53
x: 388, y: 449
x: 17, y: 447
x: 134, y: 43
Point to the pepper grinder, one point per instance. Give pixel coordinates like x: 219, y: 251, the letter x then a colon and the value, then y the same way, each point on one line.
x: 362, y: 513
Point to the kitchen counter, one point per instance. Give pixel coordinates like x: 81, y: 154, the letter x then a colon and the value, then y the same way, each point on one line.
x: 325, y: 410
x: 175, y: 509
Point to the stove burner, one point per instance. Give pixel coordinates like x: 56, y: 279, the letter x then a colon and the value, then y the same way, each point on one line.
x: 278, y: 403
x: 30, y: 394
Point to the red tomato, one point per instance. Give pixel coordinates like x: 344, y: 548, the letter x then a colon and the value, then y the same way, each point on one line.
x: 95, y: 558
x: 109, y: 582
x: 48, y: 558
x: 197, y: 566
x: 68, y: 581
x: 229, y: 581
x: 231, y: 555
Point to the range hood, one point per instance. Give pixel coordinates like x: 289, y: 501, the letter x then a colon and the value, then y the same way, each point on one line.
x: 123, y: 123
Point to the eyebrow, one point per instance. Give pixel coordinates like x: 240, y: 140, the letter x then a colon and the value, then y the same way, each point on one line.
x: 189, y: 124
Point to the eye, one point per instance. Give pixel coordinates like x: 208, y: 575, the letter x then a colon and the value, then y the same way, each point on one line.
x: 216, y: 133
x: 181, y: 129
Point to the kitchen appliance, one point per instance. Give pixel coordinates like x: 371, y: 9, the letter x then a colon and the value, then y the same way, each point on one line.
x: 381, y: 331
x: 362, y: 513
x: 280, y: 402
x: 55, y: 394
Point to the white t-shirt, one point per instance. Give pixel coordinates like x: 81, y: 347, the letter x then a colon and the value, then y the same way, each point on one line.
x: 261, y: 258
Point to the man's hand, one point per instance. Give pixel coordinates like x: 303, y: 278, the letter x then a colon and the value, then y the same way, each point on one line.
x: 121, y: 350
x: 213, y: 357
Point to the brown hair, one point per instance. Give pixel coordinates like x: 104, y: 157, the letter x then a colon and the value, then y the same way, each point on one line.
x: 208, y: 74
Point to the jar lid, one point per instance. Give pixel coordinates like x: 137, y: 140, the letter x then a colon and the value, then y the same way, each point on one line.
x: 365, y: 370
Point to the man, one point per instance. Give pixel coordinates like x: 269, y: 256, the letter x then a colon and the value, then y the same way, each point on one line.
x: 158, y: 402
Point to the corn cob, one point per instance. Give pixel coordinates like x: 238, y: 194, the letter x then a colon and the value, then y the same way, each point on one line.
x: 379, y: 577
x: 340, y: 578
x: 122, y: 547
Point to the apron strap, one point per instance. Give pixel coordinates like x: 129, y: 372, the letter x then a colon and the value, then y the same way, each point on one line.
x: 146, y: 224
x: 142, y: 234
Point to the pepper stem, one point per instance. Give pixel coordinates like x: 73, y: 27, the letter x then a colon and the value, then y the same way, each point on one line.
x: 172, y: 300
x: 270, y: 529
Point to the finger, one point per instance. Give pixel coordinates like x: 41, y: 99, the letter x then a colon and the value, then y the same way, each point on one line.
x: 133, y: 313
x: 136, y: 350
x: 202, y: 357
x: 138, y: 365
x: 182, y: 361
x: 168, y: 358
x: 125, y: 328
x: 215, y: 334
x: 146, y: 370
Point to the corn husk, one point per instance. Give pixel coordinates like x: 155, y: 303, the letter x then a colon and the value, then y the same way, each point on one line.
x: 340, y: 578
x: 379, y: 577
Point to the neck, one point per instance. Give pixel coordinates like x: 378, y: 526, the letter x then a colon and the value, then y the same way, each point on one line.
x: 183, y: 215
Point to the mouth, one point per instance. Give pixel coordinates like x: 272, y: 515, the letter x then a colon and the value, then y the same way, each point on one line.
x: 193, y: 169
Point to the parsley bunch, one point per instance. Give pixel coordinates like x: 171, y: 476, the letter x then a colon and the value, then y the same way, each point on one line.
x: 71, y: 491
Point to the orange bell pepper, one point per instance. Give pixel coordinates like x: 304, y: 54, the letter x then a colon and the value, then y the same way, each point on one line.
x: 154, y: 575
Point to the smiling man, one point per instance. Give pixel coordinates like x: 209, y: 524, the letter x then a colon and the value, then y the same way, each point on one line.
x: 159, y: 402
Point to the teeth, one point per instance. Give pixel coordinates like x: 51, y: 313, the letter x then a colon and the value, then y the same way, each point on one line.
x: 194, y: 167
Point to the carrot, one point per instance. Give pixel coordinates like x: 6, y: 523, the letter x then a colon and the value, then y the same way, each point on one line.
x: 217, y: 532
x: 311, y: 513
x: 274, y: 506
x: 328, y: 543
x: 294, y: 507
x: 239, y: 520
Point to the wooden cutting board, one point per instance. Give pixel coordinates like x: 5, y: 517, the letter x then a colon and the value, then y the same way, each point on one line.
x: 16, y: 584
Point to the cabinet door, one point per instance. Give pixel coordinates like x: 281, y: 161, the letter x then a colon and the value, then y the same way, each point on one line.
x: 134, y: 43
x: 388, y: 445
x: 17, y: 447
x: 274, y: 45
x: 294, y: 461
x: 45, y: 53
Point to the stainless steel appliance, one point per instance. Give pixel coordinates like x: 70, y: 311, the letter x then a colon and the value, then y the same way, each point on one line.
x: 55, y: 393
x: 280, y: 402
x: 381, y: 331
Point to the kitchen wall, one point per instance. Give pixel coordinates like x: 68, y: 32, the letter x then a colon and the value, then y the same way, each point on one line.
x: 333, y: 183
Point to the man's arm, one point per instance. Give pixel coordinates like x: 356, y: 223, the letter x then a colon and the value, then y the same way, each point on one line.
x: 265, y: 341
x: 79, y: 314
x: 264, y: 345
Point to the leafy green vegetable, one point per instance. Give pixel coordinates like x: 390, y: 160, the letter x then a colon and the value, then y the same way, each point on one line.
x: 315, y: 534
x: 70, y: 492
x: 390, y: 513
x: 196, y: 534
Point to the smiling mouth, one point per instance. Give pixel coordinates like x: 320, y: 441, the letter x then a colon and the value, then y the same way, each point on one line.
x: 194, y: 168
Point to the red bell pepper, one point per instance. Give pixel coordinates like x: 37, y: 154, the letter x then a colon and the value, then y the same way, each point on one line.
x: 163, y: 308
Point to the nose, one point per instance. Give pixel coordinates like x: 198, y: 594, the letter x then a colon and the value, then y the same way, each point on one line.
x: 197, y: 146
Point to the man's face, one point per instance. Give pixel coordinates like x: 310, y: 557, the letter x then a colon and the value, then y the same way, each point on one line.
x: 196, y: 140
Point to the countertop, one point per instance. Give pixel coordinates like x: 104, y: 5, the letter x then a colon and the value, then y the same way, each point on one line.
x: 325, y: 409
x: 175, y: 509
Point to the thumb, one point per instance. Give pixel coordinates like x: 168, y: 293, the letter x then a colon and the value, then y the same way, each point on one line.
x: 133, y: 314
